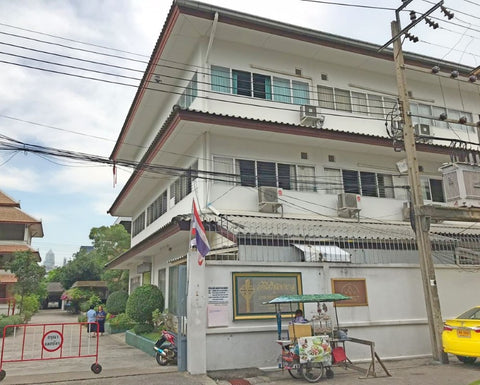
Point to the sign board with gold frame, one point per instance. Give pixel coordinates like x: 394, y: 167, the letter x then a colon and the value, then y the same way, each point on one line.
x: 356, y: 288
x: 251, y: 290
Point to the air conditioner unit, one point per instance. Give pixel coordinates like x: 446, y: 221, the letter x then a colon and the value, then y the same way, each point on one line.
x: 309, y: 116
x: 268, y: 199
x: 406, y: 212
x: 423, y: 133
x: 461, y: 183
x: 348, y: 205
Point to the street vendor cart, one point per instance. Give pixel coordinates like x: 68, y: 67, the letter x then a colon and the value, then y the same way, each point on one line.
x: 307, y: 351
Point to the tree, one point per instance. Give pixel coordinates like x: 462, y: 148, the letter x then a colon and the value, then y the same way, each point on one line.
x: 28, y: 272
x: 89, y: 265
x: 54, y: 275
x: 83, y: 267
x: 109, y: 243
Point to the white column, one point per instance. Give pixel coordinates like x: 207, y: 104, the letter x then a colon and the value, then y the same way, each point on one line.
x: 196, y: 315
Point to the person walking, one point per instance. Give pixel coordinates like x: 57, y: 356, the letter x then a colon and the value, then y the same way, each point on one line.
x: 101, y: 315
x: 91, y: 317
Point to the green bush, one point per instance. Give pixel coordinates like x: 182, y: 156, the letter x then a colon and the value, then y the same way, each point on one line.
x: 164, y: 320
x: 142, y: 328
x: 84, y: 306
x: 75, y: 296
x: 121, y: 321
x: 82, y: 318
x: 10, y: 320
x: 94, y: 300
x: 27, y: 316
x: 143, y: 301
x: 31, y: 304
x: 117, y: 302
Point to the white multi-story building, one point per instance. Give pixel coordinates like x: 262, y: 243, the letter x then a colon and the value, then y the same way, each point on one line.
x: 49, y: 261
x: 289, y: 140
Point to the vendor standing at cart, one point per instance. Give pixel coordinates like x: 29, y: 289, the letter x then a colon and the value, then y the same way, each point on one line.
x: 299, y: 319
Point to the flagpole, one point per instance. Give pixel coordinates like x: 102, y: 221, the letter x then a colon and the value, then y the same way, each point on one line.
x: 190, y: 237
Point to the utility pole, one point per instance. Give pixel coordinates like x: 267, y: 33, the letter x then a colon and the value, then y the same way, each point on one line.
x: 421, y: 222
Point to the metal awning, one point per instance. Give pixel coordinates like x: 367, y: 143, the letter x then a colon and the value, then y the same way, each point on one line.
x: 320, y: 227
x: 319, y: 253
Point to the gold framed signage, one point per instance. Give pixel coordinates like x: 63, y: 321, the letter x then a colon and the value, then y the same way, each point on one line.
x: 251, y: 290
x: 355, y: 288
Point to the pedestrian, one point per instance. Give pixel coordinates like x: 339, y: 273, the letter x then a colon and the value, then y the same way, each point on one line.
x: 101, y: 315
x: 91, y: 319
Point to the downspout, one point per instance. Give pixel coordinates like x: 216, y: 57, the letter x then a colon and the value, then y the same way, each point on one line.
x: 212, y: 36
x: 207, y: 167
x: 206, y: 161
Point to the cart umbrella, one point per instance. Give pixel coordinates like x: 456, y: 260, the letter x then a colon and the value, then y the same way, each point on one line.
x: 304, y: 298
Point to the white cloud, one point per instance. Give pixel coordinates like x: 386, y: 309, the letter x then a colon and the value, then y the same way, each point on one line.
x: 20, y: 179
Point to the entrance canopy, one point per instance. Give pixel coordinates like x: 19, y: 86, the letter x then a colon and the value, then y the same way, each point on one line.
x: 325, y: 253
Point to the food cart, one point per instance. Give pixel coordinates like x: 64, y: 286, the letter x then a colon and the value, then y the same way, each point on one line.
x: 312, y: 348
x: 307, y: 352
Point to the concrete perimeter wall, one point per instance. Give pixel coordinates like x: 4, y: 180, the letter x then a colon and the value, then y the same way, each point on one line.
x: 394, y: 318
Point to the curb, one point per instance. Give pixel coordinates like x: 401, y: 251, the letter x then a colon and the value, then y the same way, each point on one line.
x: 245, y: 381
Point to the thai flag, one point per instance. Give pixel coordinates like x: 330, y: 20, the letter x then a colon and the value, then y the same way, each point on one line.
x: 200, y: 238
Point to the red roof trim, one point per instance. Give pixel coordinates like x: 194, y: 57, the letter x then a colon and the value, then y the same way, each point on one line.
x: 148, y: 75
x: 157, y: 237
x: 259, y: 125
x: 152, y: 153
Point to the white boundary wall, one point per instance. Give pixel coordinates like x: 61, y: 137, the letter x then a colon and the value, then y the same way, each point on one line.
x: 395, y: 318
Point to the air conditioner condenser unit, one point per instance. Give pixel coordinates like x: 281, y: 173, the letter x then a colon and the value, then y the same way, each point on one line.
x: 268, y: 199
x: 309, y: 116
x: 348, y: 205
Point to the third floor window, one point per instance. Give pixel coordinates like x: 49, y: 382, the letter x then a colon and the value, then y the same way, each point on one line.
x: 261, y: 86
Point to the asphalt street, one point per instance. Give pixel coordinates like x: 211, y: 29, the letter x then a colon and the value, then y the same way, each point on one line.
x: 123, y: 364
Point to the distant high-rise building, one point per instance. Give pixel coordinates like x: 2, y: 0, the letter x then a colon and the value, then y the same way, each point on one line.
x: 49, y: 260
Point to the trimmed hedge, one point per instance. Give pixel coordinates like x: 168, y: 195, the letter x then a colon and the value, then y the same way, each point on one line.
x: 143, y: 328
x: 117, y: 302
x: 143, y: 301
x: 10, y: 320
x: 121, y: 321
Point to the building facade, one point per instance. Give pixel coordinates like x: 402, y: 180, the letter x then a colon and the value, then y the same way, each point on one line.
x: 16, y: 232
x: 49, y: 261
x: 289, y: 140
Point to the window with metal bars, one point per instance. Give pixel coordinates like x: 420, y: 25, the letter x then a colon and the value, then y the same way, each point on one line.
x: 367, y: 183
x: 253, y: 173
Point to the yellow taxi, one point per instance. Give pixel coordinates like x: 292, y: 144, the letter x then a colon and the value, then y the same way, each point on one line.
x: 461, y: 336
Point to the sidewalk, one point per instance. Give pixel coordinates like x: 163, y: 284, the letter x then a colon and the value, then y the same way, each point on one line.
x: 115, y: 356
x: 123, y: 364
x: 403, y: 372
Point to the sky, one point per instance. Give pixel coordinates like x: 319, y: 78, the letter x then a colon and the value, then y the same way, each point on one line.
x: 53, y: 109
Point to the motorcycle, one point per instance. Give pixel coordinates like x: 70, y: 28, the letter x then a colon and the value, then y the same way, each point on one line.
x: 166, y: 348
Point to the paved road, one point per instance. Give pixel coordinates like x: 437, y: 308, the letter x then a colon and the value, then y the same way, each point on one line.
x: 124, y: 365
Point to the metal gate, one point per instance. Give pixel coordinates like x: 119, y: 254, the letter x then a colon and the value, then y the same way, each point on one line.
x: 37, y: 342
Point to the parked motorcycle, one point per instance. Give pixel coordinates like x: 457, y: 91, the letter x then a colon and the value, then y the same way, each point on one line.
x: 166, y: 348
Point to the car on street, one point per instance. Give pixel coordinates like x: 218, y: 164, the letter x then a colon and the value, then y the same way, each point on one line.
x: 461, y: 336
